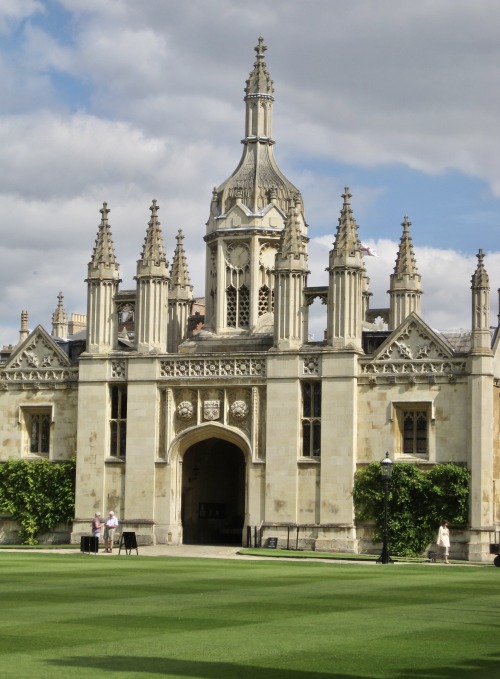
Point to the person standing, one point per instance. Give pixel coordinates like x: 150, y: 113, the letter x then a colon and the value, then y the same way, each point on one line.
x: 110, y: 526
x: 443, y: 541
x: 96, y: 526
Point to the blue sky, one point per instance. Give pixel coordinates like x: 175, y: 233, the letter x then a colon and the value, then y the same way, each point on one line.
x: 127, y: 101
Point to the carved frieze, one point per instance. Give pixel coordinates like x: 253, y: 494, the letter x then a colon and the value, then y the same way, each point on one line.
x: 224, y: 367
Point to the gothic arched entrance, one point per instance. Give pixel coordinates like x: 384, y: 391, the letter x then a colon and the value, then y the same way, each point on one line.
x: 213, y: 493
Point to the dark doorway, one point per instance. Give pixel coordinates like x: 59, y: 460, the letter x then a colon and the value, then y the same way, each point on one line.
x: 213, y: 493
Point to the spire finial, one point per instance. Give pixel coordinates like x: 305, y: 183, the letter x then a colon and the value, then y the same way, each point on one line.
x: 480, y: 279
x: 104, y: 212
x: 260, y: 48
x: 260, y: 81
x: 347, y: 196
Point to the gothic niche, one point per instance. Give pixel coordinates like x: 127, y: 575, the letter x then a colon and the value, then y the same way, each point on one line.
x: 185, y: 409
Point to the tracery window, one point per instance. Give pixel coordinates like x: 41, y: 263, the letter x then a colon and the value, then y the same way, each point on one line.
x: 413, y: 421
x: 266, y: 300
x: 238, y: 306
x: 38, y: 427
x: 311, y: 418
x: 118, y: 420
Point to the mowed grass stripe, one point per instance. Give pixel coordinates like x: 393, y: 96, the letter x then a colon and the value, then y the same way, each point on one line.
x: 84, y: 616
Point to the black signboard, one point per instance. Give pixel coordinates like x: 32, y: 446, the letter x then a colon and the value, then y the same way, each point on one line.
x: 271, y: 543
x: 89, y: 544
x: 128, y: 541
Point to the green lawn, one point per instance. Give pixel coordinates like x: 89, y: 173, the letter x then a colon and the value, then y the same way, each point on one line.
x: 79, y: 616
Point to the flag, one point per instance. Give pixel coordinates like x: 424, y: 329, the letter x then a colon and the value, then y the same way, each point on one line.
x: 367, y: 250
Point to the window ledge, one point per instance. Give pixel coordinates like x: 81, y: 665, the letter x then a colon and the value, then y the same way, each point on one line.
x: 114, y: 460
x: 309, y: 460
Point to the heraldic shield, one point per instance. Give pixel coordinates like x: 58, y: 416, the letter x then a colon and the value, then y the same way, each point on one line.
x: 211, y: 410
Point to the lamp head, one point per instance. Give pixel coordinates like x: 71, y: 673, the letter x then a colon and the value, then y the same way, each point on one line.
x: 386, y: 467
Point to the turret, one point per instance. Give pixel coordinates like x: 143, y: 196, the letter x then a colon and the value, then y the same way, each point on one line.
x: 102, y: 284
x: 180, y: 296
x: 290, y: 276
x: 152, y: 290
x: 247, y: 215
x: 60, y: 320
x: 23, y: 332
x: 480, y: 286
x: 405, y: 290
x: 347, y: 281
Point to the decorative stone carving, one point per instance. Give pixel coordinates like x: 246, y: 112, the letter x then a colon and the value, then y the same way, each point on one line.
x: 311, y: 365
x: 211, y: 410
x: 185, y: 410
x: 239, y: 410
x: 213, y: 368
x: 118, y: 369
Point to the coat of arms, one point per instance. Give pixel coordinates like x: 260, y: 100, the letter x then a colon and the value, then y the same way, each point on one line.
x: 211, y: 410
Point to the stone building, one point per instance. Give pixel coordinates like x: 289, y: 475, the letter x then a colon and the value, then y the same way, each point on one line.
x: 197, y: 421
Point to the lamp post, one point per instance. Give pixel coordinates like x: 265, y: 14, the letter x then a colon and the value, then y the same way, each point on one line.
x: 386, y: 472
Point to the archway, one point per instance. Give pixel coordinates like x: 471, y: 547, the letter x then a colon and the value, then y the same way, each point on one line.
x: 213, y: 493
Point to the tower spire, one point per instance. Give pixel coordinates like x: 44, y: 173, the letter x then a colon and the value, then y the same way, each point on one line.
x: 290, y: 280
x: 405, y: 283
x: 102, y: 284
x: 480, y: 286
x: 257, y: 174
x: 180, y: 296
x: 346, y: 287
x: 152, y: 290
x: 248, y: 213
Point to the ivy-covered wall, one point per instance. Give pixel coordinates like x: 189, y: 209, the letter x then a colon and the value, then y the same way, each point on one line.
x: 38, y: 495
x: 417, y: 503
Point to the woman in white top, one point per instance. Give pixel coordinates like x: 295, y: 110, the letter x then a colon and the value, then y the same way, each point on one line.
x: 443, y: 540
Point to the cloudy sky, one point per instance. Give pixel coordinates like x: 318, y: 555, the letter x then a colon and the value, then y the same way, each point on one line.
x: 125, y: 101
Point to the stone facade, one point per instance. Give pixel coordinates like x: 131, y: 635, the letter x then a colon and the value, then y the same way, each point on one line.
x: 204, y: 428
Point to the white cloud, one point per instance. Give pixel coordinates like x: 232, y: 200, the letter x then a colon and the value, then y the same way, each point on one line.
x: 14, y: 11
x: 134, y: 101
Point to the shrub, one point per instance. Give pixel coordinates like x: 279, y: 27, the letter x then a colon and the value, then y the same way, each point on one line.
x: 417, y: 502
x: 38, y: 494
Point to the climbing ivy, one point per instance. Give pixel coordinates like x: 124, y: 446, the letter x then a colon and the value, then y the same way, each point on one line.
x: 417, y: 502
x: 38, y: 494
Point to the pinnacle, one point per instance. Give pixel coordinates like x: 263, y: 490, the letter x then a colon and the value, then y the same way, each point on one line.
x: 291, y: 241
x: 60, y: 315
x: 346, y: 238
x: 480, y: 279
x: 405, y: 260
x: 104, y: 252
x: 153, y: 249
x: 179, y: 274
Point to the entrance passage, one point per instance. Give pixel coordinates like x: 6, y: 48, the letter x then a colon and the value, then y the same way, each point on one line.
x: 213, y: 493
